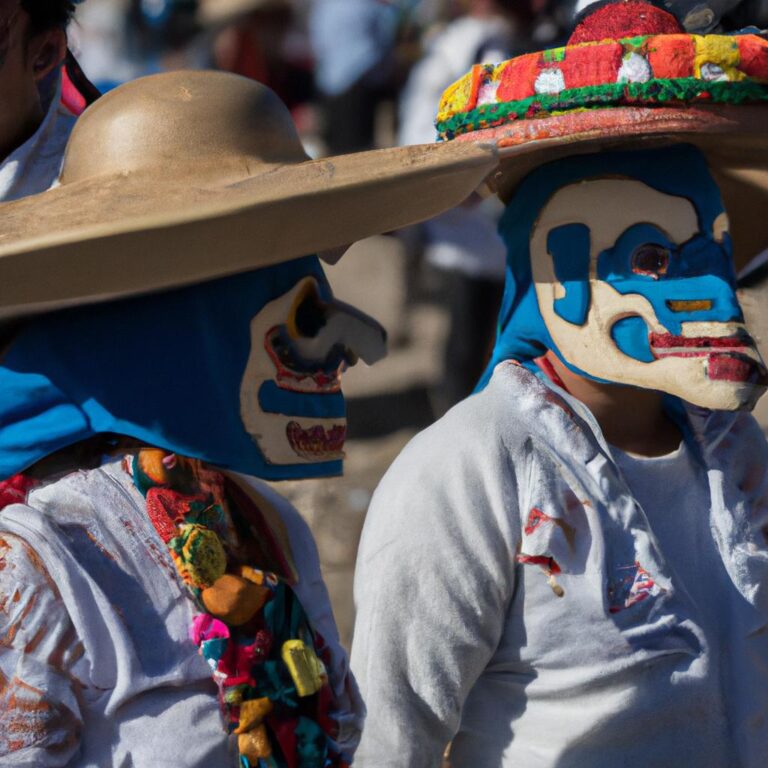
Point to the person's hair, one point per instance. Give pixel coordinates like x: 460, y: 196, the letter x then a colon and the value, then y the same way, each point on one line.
x: 48, y: 14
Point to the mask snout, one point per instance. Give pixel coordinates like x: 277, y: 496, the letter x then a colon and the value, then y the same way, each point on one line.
x: 320, y: 339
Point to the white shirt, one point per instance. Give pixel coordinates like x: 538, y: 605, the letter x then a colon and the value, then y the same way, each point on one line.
x: 674, y: 493
x: 95, y: 655
x: 612, y: 657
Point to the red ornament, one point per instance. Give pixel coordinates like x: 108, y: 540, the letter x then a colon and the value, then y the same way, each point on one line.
x: 15, y: 490
x: 625, y: 18
x: 167, y: 510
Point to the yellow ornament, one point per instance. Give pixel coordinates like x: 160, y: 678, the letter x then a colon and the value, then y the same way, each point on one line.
x: 252, y: 712
x: 199, y: 555
x: 153, y: 462
x: 255, y: 745
x: 234, y: 600
x: 717, y: 58
x: 252, y: 575
x: 307, y: 671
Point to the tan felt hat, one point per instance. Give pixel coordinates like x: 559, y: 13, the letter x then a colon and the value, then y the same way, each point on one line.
x: 184, y: 177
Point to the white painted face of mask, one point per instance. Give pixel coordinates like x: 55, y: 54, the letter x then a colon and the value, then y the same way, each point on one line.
x: 609, y: 207
x: 301, y: 345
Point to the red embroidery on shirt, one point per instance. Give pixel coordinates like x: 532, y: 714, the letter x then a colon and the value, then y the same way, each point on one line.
x: 549, y: 564
x: 535, y: 519
x: 632, y: 588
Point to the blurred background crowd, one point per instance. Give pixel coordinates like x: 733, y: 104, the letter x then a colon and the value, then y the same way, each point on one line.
x: 357, y: 75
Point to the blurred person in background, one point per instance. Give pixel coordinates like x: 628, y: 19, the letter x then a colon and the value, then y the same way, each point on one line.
x: 746, y: 13
x: 354, y: 45
x: 462, y: 244
x: 159, y: 34
x: 258, y: 39
x: 99, y: 38
x: 34, y: 123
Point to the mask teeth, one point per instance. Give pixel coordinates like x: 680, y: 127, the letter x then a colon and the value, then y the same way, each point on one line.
x: 317, y: 443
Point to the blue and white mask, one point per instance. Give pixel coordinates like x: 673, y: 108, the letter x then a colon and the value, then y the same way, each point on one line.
x: 621, y: 264
x: 243, y: 373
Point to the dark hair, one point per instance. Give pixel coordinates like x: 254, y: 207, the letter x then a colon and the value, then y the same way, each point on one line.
x: 48, y: 14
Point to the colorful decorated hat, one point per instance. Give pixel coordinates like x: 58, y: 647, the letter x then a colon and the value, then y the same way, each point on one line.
x: 184, y: 177
x: 630, y: 77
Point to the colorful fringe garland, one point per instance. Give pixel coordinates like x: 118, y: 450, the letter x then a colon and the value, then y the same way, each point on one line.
x: 252, y: 631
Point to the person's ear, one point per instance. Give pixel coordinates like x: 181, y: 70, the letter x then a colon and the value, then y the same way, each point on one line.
x: 47, y: 50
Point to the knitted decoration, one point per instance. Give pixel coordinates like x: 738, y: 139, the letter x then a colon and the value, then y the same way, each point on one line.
x: 267, y: 662
x: 630, y: 18
x: 656, y: 66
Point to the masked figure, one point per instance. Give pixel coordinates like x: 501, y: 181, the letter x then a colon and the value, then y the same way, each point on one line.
x: 651, y: 284
x: 165, y: 344
x: 581, y: 545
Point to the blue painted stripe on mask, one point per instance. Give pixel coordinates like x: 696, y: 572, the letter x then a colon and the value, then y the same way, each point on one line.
x: 569, y: 248
x: 724, y: 308
x: 631, y: 337
x: 273, y: 399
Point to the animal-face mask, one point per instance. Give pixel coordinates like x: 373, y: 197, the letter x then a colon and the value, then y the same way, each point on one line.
x: 242, y: 372
x: 623, y: 263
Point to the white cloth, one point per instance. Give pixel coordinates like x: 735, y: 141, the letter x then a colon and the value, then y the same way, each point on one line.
x: 463, y: 239
x: 462, y: 636
x: 95, y: 634
x: 673, y: 491
x: 35, y: 165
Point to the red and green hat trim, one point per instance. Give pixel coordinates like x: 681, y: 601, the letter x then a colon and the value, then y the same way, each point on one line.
x: 646, y: 70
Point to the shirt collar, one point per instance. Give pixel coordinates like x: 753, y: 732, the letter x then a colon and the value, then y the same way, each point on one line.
x: 35, y: 165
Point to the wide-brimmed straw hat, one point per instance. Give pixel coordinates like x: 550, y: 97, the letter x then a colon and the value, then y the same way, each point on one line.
x: 630, y: 77
x: 184, y: 177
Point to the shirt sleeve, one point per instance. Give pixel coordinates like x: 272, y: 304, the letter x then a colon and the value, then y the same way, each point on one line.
x: 435, y: 576
x: 40, y: 721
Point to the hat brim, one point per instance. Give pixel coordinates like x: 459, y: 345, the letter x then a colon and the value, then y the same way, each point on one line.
x: 733, y: 138
x: 118, y: 236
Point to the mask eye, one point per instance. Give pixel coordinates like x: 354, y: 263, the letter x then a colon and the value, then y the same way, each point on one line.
x: 308, y: 314
x: 650, y: 260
